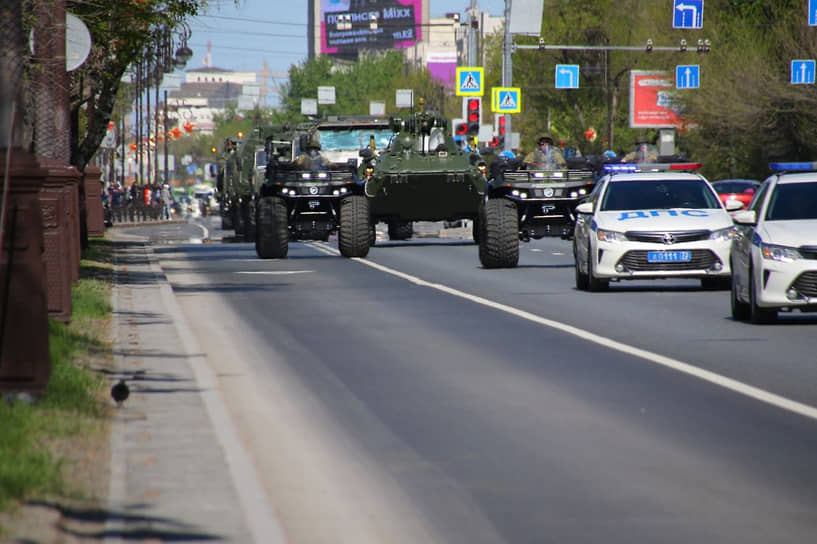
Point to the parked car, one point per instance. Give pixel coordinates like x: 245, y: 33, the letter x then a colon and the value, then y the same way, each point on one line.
x: 774, y: 256
x: 742, y: 190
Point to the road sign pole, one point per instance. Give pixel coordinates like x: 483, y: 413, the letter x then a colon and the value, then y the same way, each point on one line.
x: 507, y: 70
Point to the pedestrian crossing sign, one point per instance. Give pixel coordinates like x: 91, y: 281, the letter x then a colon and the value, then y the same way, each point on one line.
x: 506, y: 100
x: 469, y: 81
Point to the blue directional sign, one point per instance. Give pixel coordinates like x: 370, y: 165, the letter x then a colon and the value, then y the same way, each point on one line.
x: 687, y: 76
x: 688, y: 14
x: 567, y: 76
x: 802, y: 72
x: 812, y: 12
x: 469, y: 81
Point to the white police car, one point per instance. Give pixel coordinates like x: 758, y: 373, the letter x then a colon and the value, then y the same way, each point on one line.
x: 774, y: 256
x: 652, y: 221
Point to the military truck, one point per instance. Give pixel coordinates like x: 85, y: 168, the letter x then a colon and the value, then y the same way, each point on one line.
x: 421, y: 176
x: 342, y: 137
x: 524, y: 204
x: 245, y: 163
x: 306, y: 199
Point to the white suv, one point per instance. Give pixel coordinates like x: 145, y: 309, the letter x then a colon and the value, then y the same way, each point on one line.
x: 653, y: 224
x: 774, y: 256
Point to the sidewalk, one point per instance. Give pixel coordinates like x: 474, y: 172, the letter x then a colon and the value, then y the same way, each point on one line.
x: 179, y: 472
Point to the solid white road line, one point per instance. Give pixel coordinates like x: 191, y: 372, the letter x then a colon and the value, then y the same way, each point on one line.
x: 680, y: 366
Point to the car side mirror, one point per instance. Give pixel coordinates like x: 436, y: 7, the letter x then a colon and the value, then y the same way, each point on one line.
x: 585, y: 207
x: 745, y: 217
x: 733, y: 205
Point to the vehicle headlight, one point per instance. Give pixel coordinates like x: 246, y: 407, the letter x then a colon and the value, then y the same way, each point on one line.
x: 779, y: 253
x: 723, y: 234
x: 610, y: 236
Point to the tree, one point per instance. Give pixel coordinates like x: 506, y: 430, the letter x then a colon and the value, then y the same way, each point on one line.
x: 123, y: 33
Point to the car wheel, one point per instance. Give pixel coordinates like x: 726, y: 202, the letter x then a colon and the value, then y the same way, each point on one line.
x: 582, y: 282
x: 757, y: 314
x: 593, y: 283
x: 740, y: 309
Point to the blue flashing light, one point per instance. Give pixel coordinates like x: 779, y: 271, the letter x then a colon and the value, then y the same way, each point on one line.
x: 620, y: 167
x: 792, y: 166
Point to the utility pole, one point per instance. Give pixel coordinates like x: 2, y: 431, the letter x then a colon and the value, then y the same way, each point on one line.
x: 473, y: 27
x: 507, y: 70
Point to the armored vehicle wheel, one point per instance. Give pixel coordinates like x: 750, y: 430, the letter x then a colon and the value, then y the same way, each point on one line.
x: 400, y: 230
x: 272, y: 233
x: 248, y: 219
x: 499, y: 235
x: 238, y: 220
x: 354, y: 233
x: 226, y: 220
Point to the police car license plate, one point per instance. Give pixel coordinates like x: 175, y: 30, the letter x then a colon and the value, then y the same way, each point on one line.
x: 669, y: 256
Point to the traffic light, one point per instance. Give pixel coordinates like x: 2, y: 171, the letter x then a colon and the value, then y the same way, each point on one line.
x: 461, y: 129
x: 473, y: 112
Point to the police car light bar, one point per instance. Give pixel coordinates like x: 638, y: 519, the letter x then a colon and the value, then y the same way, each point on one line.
x: 790, y: 166
x: 620, y: 167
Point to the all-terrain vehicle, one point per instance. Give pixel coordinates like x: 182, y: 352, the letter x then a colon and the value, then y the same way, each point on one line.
x: 522, y: 203
x: 306, y: 197
x: 422, y: 176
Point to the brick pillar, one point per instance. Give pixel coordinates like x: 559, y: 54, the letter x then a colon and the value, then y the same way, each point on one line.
x: 25, y: 363
x: 57, y: 232
x: 71, y: 189
x: 95, y: 214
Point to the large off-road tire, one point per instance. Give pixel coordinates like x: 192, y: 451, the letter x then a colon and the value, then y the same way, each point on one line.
x: 758, y: 315
x: 238, y: 220
x: 593, y: 283
x: 272, y: 233
x: 248, y: 218
x: 740, y: 309
x: 582, y: 280
x: 226, y: 219
x: 499, y: 234
x: 400, y: 230
x: 355, y: 224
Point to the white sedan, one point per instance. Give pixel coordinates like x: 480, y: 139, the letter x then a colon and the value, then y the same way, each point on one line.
x: 645, y: 225
x: 774, y: 257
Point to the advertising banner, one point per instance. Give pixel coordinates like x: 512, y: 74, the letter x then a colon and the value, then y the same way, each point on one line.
x: 350, y: 25
x: 651, y: 100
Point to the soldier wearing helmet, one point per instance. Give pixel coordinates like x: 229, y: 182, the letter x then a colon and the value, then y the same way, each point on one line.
x: 546, y: 156
x: 310, y: 156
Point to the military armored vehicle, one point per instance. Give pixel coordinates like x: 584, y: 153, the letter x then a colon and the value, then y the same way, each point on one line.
x: 421, y: 176
x: 245, y: 163
x: 522, y: 203
x: 307, y: 197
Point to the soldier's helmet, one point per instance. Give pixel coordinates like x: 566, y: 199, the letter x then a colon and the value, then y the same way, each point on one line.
x: 313, y: 143
x: 544, y: 139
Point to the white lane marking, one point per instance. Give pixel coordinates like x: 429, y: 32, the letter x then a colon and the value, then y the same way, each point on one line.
x: 537, y: 250
x: 274, y: 272
x: 680, y: 366
x: 559, y: 253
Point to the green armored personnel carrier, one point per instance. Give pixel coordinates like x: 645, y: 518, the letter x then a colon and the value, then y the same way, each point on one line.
x: 306, y: 196
x: 522, y: 203
x: 422, y: 176
x: 244, y: 164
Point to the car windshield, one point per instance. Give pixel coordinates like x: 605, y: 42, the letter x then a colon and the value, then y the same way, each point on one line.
x: 793, y: 201
x: 658, y: 195
x: 357, y: 138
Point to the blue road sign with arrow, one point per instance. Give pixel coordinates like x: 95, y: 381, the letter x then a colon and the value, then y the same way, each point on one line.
x: 802, y: 72
x: 688, y: 14
x: 567, y: 76
x: 687, y: 76
x: 812, y: 12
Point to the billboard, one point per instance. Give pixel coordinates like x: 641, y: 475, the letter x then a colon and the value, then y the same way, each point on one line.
x: 349, y: 25
x: 652, y: 102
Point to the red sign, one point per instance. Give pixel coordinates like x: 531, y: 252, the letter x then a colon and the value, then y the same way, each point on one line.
x: 651, y: 100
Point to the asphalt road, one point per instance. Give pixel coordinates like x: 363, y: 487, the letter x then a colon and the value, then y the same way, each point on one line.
x: 414, y: 397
